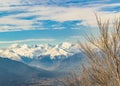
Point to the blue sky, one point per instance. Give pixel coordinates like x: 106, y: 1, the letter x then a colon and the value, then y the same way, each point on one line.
x: 51, y: 21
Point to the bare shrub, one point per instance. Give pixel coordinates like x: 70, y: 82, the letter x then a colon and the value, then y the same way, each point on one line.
x: 104, y: 59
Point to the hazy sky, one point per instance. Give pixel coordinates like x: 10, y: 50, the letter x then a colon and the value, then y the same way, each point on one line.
x: 51, y: 21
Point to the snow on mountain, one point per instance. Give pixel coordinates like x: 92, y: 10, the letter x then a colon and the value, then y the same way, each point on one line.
x: 65, y: 45
x: 55, y: 52
x: 17, y: 51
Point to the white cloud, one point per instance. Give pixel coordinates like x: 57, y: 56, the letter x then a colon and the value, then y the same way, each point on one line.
x: 9, y: 2
x: 56, y: 13
x: 27, y: 40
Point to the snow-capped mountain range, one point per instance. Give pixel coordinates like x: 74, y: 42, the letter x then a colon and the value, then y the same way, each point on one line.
x: 16, y: 51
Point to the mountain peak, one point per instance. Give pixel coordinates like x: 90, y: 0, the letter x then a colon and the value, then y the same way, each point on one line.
x: 66, y: 45
x: 15, y: 45
x: 17, y: 51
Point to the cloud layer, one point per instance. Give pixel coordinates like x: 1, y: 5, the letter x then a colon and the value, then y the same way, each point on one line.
x: 27, y: 40
x: 18, y: 15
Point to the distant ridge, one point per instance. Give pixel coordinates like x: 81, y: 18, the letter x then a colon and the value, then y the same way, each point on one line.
x: 14, y: 73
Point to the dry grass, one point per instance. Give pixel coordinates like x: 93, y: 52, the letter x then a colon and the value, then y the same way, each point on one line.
x: 104, y: 66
